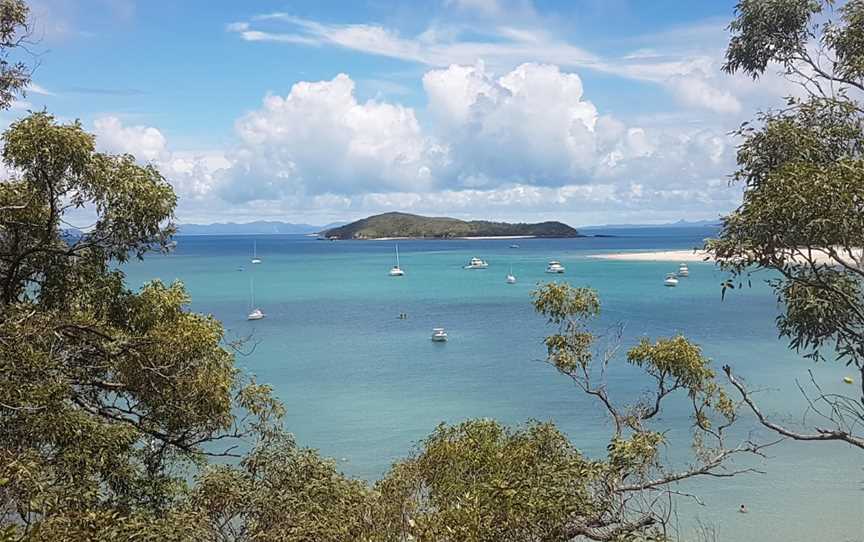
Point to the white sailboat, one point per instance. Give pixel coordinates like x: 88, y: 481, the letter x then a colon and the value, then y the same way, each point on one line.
x: 255, y: 258
x: 396, y: 271
x: 255, y: 313
x: 511, y: 278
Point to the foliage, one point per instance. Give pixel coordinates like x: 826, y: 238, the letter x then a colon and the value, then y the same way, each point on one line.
x: 408, y: 225
x: 802, y: 214
x: 108, y: 395
x: 14, y: 32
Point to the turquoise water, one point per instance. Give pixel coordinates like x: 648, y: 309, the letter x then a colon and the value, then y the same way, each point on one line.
x: 364, y: 386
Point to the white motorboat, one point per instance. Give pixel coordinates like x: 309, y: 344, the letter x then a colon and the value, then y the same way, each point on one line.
x: 514, y: 245
x: 554, y: 266
x: 255, y: 258
x: 477, y: 263
x: 396, y: 271
x: 511, y: 278
x: 439, y: 335
x: 671, y: 280
x: 683, y: 270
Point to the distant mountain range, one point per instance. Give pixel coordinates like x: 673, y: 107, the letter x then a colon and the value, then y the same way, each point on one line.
x: 679, y: 224
x: 422, y: 227
x: 251, y: 228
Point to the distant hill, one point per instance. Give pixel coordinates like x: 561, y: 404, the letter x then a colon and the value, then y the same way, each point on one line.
x: 249, y: 228
x: 679, y: 224
x: 408, y: 225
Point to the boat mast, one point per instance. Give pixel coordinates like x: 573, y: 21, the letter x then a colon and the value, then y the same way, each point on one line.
x: 397, y: 255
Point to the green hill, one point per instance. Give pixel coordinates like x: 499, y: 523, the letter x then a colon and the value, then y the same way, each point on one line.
x: 408, y: 225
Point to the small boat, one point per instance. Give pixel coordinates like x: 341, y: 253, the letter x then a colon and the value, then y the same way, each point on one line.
x: 671, y: 280
x: 683, y: 270
x: 396, y: 271
x: 439, y: 335
x: 848, y: 380
x: 511, y: 278
x: 477, y: 263
x: 255, y: 258
x: 554, y: 266
x: 514, y: 245
x: 255, y: 313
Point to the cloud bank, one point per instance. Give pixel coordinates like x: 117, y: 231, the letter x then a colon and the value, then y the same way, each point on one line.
x: 514, y: 145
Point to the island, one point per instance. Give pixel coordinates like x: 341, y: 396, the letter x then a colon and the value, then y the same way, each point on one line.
x: 404, y: 225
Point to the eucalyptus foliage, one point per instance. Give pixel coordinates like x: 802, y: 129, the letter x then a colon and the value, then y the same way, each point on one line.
x: 802, y: 168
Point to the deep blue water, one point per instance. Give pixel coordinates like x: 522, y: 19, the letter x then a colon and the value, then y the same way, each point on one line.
x: 365, y: 386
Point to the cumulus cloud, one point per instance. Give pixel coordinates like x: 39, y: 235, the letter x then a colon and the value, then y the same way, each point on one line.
x: 515, y: 143
x: 320, y: 139
x: 145, y: 142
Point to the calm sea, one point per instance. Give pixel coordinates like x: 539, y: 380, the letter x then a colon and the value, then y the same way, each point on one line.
x: 364, y: 386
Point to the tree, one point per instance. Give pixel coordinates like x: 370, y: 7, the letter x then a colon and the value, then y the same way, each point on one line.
x: 802, y: 214
x: 14, y: 33
x: 478, y: 481
x: 106, y: 395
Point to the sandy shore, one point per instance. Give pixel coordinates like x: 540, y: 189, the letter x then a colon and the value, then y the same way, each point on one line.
x: 661, y: 256
x: 696, y: 256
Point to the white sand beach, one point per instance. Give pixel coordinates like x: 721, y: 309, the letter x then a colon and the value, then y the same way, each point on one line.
x: 660, y: 256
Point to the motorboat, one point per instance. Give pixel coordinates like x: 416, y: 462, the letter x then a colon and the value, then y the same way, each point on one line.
x: 439, y: 335
x: 514, y: 245
x: 396, y: 271
x: 671, y: 280
x: 683, y: 270
x: 477, y: 263
x: 554, y: 266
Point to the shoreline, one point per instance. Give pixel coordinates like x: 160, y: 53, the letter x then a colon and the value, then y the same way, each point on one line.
x: 657, y: 256
x: 477, y: 238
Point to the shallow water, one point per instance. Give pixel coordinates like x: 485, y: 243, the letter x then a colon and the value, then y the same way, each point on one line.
x: 365, y: 386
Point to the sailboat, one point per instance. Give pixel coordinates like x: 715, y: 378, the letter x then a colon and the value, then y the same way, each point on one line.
x: 396, y: 271
x: 255, y: 258
x: 256, y: 313
x: 511, y: 278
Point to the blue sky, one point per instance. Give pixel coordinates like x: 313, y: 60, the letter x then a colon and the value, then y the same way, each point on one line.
x: 586, y: 111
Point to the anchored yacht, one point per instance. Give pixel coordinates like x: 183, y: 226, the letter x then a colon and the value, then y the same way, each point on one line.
x: 554, y: 267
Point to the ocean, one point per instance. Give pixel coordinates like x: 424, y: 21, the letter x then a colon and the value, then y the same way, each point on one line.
x: 364, y: 386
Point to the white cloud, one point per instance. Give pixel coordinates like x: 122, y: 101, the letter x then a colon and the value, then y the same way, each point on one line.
x: 145, y: 142
x: 320, y: 139
x: 515, y: 145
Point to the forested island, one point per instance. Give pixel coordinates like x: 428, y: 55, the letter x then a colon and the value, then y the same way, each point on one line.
x: 402, y: 225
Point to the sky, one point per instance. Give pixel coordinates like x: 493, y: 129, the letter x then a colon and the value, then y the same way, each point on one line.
x: 588, y: 111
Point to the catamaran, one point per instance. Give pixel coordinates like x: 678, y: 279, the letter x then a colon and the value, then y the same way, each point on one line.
x: 554, y: 267
x: 477, y: 263
x: 255, y: 258
x: 396, y: 271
